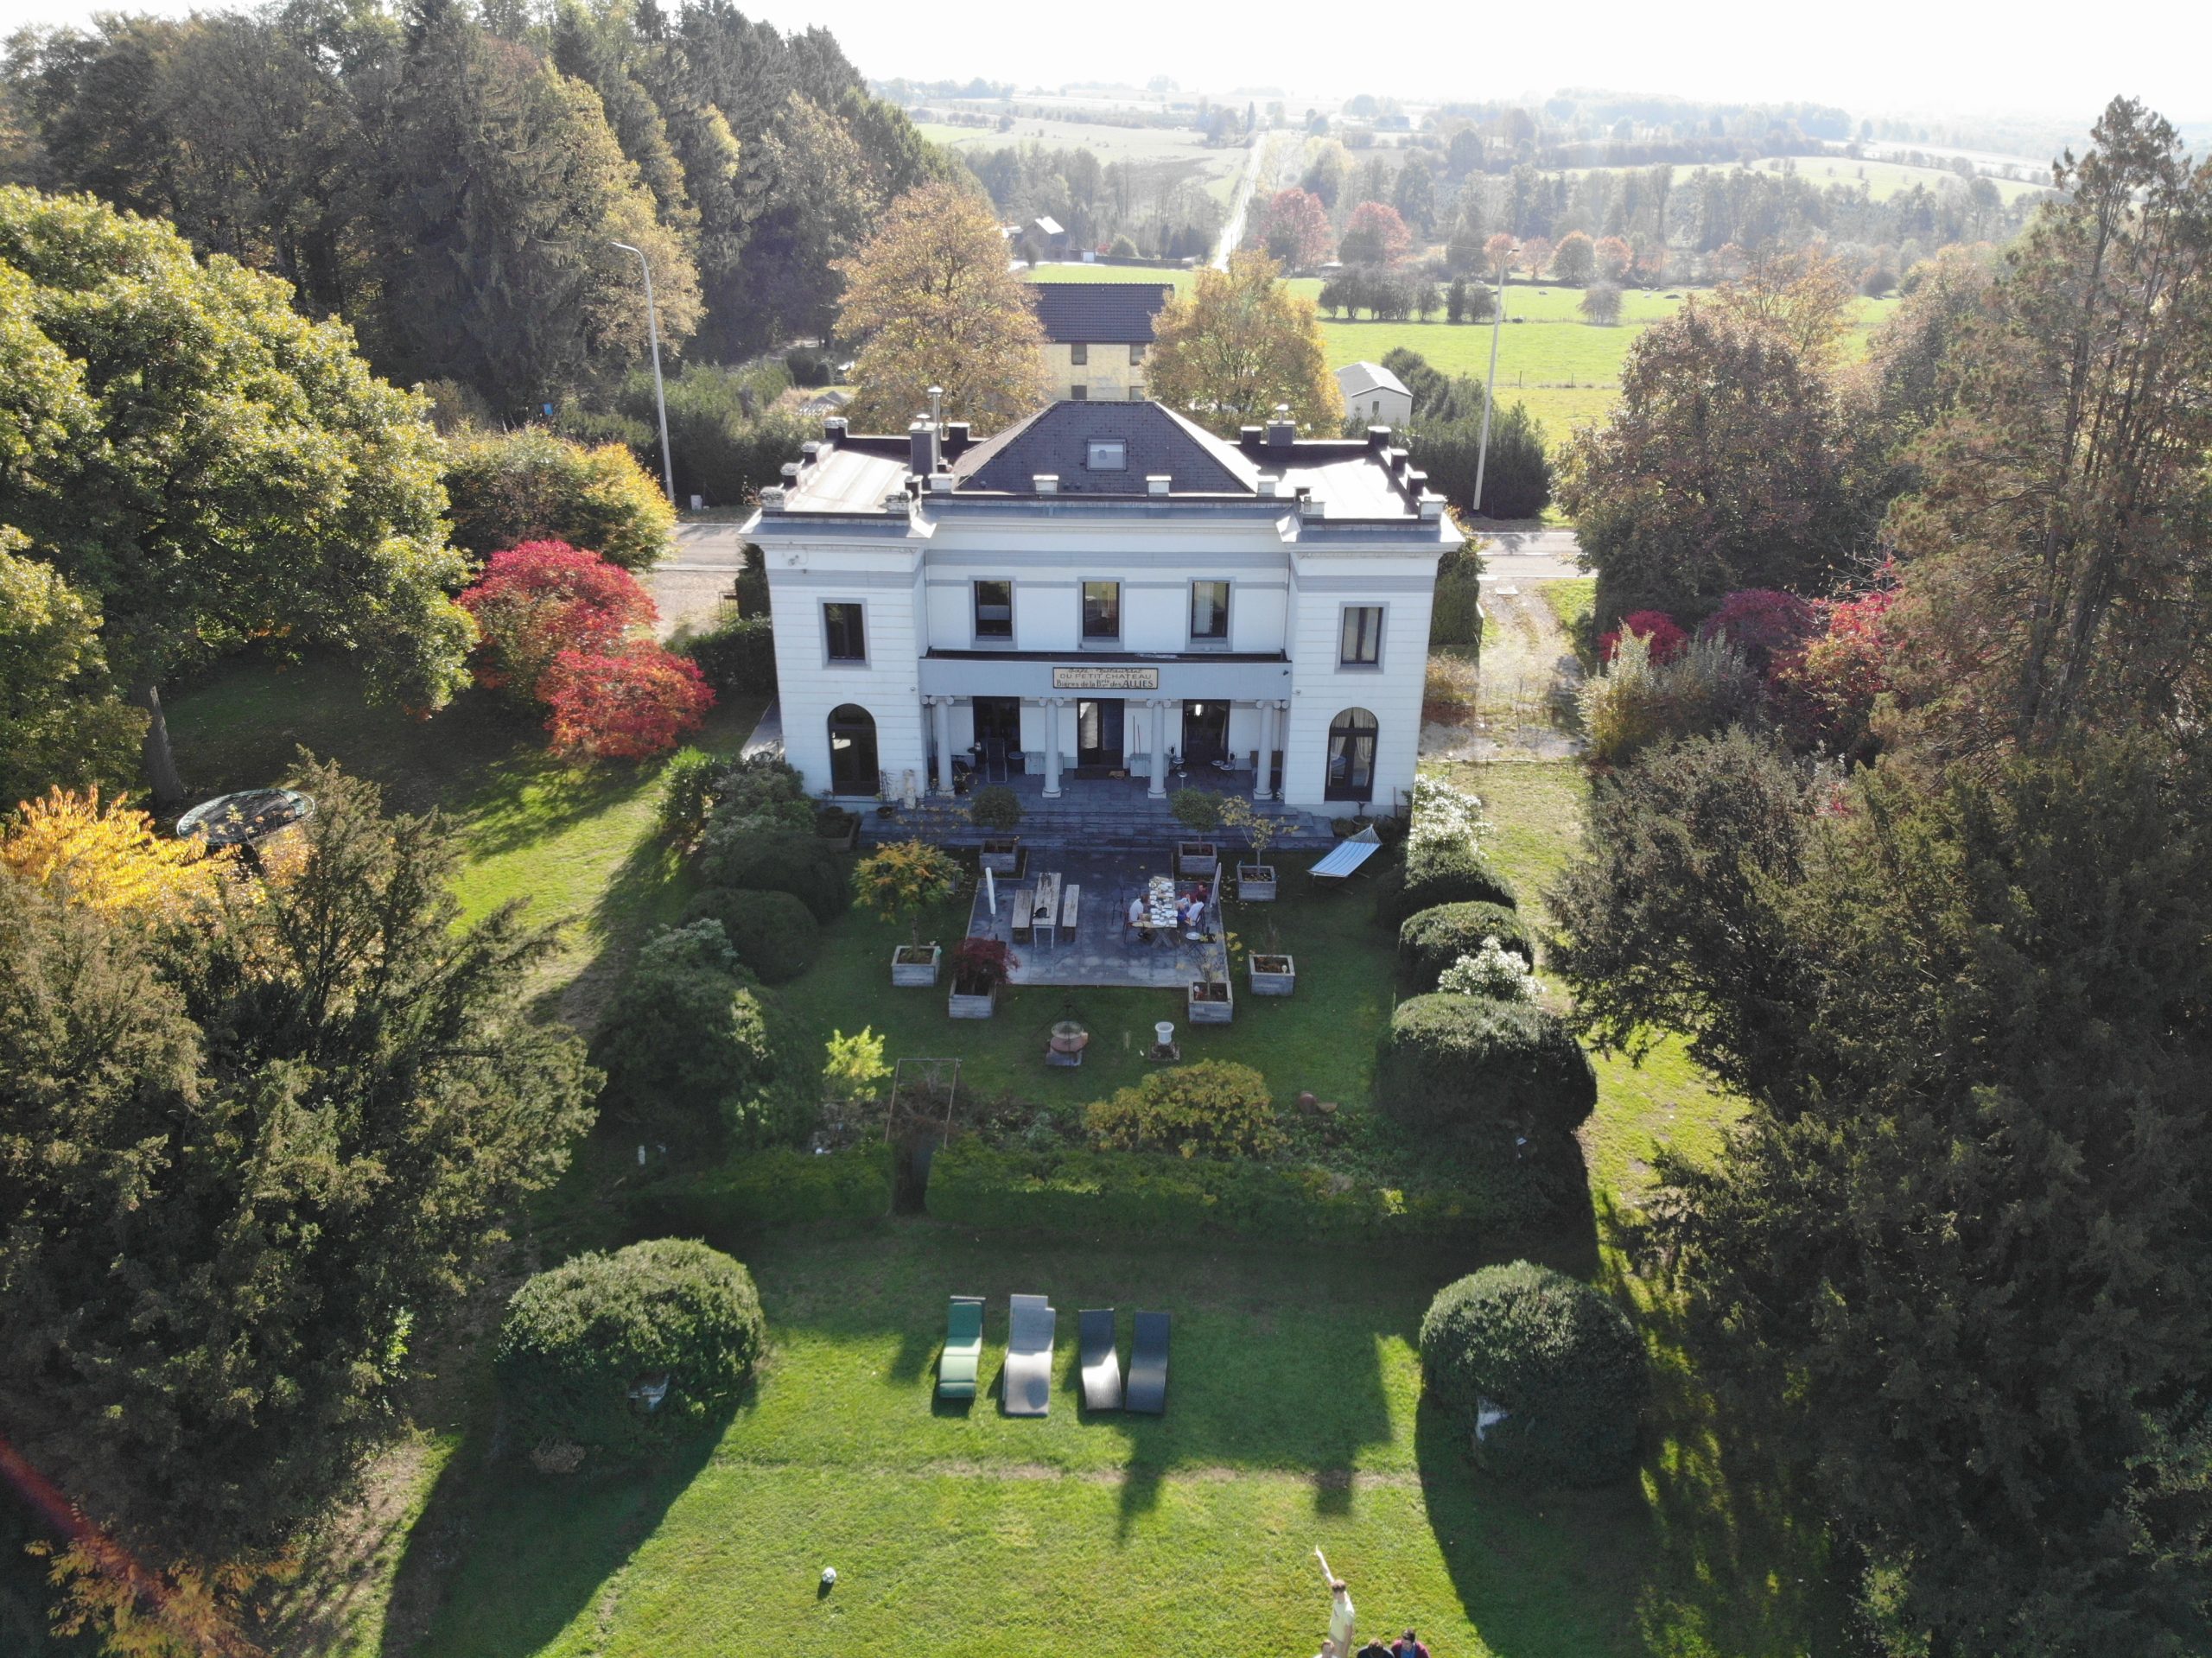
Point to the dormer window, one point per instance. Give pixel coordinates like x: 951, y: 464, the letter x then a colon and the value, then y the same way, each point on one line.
x: 1108, y: 454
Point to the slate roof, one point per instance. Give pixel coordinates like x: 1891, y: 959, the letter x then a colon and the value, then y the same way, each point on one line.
x: 1099, y: 313
x: 1057, y: 439
x: 1356, y: 378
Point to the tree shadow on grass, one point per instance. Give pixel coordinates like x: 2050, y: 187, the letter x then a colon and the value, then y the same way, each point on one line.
x: 565, y: 1536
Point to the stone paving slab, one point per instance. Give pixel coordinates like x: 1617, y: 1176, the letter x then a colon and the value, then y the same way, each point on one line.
x: 1102, y: 949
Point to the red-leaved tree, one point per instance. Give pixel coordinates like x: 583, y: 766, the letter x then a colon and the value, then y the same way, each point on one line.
x: 541, y: 598
x: 1614, y: 258
x: 624, y: 704
x: 1663, y: 630
x: 1765, y: 624
x: 1376, y: 236
x: 1825, y: 690
x: 1295, y: 228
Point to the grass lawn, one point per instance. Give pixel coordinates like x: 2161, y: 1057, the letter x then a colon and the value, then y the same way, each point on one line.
x: 1884, y: 179
x: 576, y: 843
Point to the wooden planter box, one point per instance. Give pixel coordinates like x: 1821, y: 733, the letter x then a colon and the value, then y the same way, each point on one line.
x: 966, y: 1006
x: 1001, y: 857
x: 1197, y: 857
x: 1272, y: 975
x: 915, y: 974
x: 1255, y: 882
x: 1208, y: 1003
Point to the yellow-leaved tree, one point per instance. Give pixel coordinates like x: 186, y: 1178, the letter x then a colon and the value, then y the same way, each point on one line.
x: 932, y: 297
x: 105, y: 856
x: 1237, y: 344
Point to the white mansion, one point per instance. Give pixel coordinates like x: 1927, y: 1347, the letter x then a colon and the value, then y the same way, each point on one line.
x: 1102, y: 589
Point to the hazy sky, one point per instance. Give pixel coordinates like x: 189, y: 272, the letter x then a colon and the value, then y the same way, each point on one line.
x: 2028, y: 56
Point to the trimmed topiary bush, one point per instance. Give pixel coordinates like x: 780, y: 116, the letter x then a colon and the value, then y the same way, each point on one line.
x: 577, y: 1340
x: 1552, y: 1353
x: 1431, y: 939
x: 810, y: 869
x: 1213, y: 1108
x: 773, y: 934
x: 738, y: 656
x: 996, y: 807
x: 1437, y: 872
x: 693, y: 1045
x: 1468, y: 1064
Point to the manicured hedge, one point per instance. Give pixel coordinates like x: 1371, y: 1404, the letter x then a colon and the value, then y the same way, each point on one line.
x: 812, y: 870
x: 772, y: 933
x: 1437, y: 872
x: 738, y: 655
x: 1143, y: 1195
x: 1431, y: 939
x: 774, y: 1188
x: 577, y: 1338
x: 1559, y: 1358
x: 1472, y: 1065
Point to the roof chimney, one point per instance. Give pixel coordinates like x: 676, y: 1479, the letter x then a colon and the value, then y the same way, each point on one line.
x: 1378, y: 438
x: 1282, y: 431
x: 921, y: 448
x: 833, y: 430
x: 936, y: 427
x: 956, y: 438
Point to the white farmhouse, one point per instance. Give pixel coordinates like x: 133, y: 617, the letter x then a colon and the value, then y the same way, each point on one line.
x: 1103, y: 590
x: 1372, y: 393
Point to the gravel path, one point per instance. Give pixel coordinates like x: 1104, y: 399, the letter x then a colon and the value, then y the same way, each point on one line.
x: 1525, y: 708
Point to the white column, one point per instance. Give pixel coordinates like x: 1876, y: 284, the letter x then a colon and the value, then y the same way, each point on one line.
x: 1159, y: 789
x: 1265, y: 768
x: 941, y: 721
x: 1052, y: 748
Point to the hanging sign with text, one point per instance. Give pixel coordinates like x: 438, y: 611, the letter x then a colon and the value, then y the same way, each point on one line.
x: 1105, y: 679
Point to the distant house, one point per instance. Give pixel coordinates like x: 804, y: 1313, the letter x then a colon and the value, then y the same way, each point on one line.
x: 1375, y: 395
x: 1098, y: 335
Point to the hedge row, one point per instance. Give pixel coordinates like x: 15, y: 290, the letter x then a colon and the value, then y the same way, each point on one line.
x: 779, y: 1187
x: 1155, y: 1196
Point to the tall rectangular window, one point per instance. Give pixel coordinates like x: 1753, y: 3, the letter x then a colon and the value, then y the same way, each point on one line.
x: 1210, y: 610
x: 1360, y: 644
x: 1136, y: 355
x: 1102, y: 610
x: 848, y: 636
x: 1079, y: 354
x: 995, y: 610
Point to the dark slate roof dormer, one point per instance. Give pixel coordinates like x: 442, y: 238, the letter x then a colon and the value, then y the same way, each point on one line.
x: 1057, y: 441
x: 1099, y: 313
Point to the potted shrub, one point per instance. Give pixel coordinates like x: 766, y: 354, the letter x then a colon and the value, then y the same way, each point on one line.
x: 1209, y: 1001
x: 1199, y: 811
x: 901, y: 882
x: 998, y: 810
x: 1255, y: 879
x: 980, y: 966
x: 1273, y: 973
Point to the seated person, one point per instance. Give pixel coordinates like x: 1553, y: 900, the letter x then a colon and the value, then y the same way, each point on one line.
x: 1409, y: 1646
x: 1138, y: 920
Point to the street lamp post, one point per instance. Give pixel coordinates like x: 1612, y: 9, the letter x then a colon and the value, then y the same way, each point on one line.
x: 1489, y: 391
x: 660, y: 398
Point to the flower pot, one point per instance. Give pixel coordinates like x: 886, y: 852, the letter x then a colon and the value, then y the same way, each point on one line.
x: 915, y: 966
x: 1197, y: 857
x: 1255, y: 882
x: 961, y: 1005
x: 1272, y: 975
x: 1209, y: 1002
x: 1001, y: 856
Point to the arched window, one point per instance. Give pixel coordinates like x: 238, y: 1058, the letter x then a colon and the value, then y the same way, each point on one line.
x: 852, y: 751
x: 1351, y: 756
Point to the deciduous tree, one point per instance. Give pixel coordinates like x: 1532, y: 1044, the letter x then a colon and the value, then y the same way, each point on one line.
x: 528, y: 485
x: 932, y: 297
x: 1239, y: 343
x: 1374, y: 236
x: 61, y: 719
x: 1573, y: 261
x: 1295, y: 229
x: 624, y: 704
x: 545, y: 597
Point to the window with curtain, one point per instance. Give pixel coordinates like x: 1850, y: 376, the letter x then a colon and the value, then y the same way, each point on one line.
x: 1210, y: 611
x: 1361, y: 643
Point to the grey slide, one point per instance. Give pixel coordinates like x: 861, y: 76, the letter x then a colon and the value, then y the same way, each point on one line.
x: 1029, y: 1372
x: 1101, y: 1363
x: 1148, y: 1365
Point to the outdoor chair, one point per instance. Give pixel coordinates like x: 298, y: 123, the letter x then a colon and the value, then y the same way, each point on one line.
x: 963, y: 1348
x: 1100, y: 1361
x: 1028, y: 1373
x: 1148, y: 1390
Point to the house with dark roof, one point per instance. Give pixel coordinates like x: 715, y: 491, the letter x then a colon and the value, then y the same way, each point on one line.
x: 1103, y: 590
x: 1098, y: 335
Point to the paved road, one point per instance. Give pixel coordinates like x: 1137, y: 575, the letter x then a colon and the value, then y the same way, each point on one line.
x: 690, y: 584
x: 1233, y: 231
x: 1531, y: 556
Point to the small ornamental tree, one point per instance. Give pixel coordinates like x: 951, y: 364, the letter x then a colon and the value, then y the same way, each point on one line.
x: 1765, y: 624
x: 1825, y: 691
x: 1662, y: 635
x: 904, y: 881
x: 628, y: 704
x: 1545, y: 1373
x: 853, y: 1065
x: 107, y: 857
x: 996, y: 807
x: 623, y: 1352
x: 1490, y: 970
x: 543, y: 597
x: 1197, y: 809
x: 1213, y: 1108
x: 980, y: 966
x: 1258, y: 829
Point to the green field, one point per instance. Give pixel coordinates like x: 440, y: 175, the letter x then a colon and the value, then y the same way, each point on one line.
x: 1109, y: 144
x: 1884, y: 179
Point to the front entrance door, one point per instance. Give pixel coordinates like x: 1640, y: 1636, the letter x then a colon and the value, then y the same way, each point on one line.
x: 998, y: 736
x: 1206, y: 733
x: 852, y: 751
x: 1098, y: 733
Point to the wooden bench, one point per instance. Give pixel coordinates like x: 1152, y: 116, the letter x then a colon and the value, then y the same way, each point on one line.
x: 1044, y: 926
x: 1024, y: 908
x: 1069, y: 907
